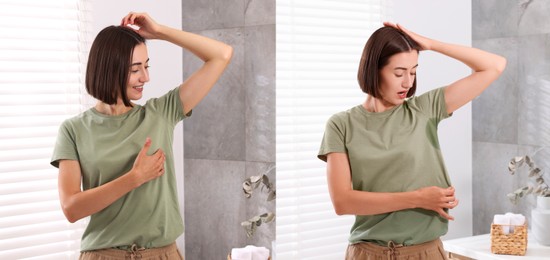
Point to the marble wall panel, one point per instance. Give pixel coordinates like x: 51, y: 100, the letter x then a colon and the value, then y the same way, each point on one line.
x: 260, y: 93
x: 216, y: 130
x: 495, y: 111
x: 495, y: 18
x: 213, y: 208
x: 201, y: 15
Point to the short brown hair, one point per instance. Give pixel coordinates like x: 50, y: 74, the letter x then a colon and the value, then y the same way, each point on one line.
x: 109, y: 63
x: 382, y: 44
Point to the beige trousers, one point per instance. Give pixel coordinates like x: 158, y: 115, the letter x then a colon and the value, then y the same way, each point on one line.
x: 432, y: 250
x: 169, y: 252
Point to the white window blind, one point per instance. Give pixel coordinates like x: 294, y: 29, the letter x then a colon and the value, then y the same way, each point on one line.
x: 43, y: 47
x: 319, y: 45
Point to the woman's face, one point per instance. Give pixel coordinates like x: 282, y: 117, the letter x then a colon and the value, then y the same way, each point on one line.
x: 139, y: 72
x: 397, y: 77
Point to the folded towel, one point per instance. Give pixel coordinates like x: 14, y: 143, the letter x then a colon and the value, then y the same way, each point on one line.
x: 509, y: 220
x: 250, y: 253
x: 515, y: 220
x: 502, y: 220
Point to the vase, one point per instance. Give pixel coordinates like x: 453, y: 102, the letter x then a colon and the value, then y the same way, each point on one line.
x: 540, y: 221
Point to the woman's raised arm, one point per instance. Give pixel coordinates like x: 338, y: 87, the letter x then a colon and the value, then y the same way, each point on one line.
x: 216, y: 56
x: 486, y: 68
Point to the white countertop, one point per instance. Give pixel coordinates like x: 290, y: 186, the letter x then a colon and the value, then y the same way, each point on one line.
x: 479, y: 247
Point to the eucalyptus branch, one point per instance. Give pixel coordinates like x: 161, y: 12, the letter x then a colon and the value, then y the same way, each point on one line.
x: 540, y: 186
x: 253, y: 182
x: 249, y: 185
x: 251, y: 224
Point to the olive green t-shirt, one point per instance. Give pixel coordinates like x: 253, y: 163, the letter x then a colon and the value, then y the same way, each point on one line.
x: 106, y: 148
x: 393, y: 151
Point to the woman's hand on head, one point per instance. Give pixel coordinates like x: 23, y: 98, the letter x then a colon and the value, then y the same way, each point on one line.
x: 438, y: 199
x: 148, y: 167
x: 148, y: 28
x: 425, y: 43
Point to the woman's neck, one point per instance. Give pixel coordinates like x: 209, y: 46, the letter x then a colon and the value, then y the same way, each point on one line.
x: 112, y: 110
x: 376, y: 105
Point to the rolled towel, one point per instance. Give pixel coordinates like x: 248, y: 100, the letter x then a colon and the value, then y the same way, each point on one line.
x: 241, y: 254
x: 250, y: 253
x: 259, y: 253
x: 504, y: 221
x: 515, y: 220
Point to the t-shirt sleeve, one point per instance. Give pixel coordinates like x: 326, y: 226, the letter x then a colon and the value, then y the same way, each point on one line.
x: 65, y: 145
x: 432, y: 104
x: 169, y: 105
x: 333, y: 139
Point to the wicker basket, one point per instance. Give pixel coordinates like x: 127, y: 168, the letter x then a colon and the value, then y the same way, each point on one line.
x: 509, y: 244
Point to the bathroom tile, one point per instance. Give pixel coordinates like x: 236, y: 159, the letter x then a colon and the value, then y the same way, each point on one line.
x: 491, y: 183
x: 495, y: 112
x: 494, y: 18
x: 259, y: 12
x: 201, y: 15
x: 216, y: 130
x: 259, y: 71
x: 213, y: 208
x: 534, y: 90
x: 257, y: 204
x: 533, y: 17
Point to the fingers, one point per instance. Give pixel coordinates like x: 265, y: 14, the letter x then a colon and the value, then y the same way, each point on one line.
x: 450, y: 190
x: 390, y: 24
x: 145, y: 147
x: 438, y: 199
x: 445, y: 215
x: 131, y: 17
x: 396, y: 26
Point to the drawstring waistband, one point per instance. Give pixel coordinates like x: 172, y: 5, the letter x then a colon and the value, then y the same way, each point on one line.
x: 134, y: 252
x: 391, y: 252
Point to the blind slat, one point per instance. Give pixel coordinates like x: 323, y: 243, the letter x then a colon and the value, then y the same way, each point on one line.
x: 43, y: 47
x: 319, y: 45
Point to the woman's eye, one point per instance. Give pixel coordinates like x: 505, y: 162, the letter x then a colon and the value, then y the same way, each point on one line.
x: 399, y: 76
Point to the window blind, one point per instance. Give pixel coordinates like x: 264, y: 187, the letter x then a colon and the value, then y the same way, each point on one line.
x: 43, y: 51
x: 319, y: 45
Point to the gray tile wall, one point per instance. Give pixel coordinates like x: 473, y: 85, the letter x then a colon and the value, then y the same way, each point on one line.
x: 231, y: 134
x: 511, y: 117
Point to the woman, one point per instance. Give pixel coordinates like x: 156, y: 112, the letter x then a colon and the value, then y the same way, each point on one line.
x: 121, y: 152
x: 387, y: 147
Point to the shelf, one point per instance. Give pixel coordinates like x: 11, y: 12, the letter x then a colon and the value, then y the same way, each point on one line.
x: 479, y: 247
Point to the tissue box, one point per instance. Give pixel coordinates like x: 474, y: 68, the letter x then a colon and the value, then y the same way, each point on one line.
x: 509, y: 244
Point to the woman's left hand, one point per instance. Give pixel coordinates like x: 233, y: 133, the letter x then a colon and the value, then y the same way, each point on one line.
x: 148, y: 28
x: 425, y: 43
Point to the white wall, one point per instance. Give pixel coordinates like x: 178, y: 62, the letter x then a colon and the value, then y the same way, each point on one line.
x: 166, y: 60
x: 448, y: 21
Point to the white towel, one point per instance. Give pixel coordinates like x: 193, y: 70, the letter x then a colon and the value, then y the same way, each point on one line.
x: 250, y: 253
x: 509, y: 220
x: 502, y: 220
x: 515, y: 220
